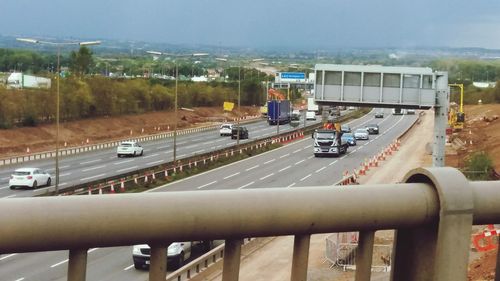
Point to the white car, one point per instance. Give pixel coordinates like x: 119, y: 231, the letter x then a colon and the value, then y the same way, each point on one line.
x: 131, y: 148
x: 225, y: 129
x: 177, y: 254
x: 29, y: 177
x: 361, y: 134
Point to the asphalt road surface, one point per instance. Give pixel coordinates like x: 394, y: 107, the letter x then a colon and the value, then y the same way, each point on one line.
x: 292, y: 165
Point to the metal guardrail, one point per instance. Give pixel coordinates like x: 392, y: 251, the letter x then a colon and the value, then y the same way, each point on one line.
x: 432, y: 212
x: 92, y: 147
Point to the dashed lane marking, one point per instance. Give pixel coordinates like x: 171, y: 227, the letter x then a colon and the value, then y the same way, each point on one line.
x: 205, y: 185
x: 123, y: 162
x: 93, y: 168
x: 89, y: 162
x: 230, y: 176
x: 283, y: 156
x: 251, y: 168
x: 59, y: 263
x: 7, y: 256
x: 265, y: 177
x: 287, y: 167
x: 320, y: 169
x: 93, y: 177
x: 272, y: 160
x: 297, y: 163
x: 125, y: 169
x: 243, y: 186
x: 302, y: 179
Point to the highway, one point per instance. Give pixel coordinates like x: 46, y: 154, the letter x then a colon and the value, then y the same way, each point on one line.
x: 90, y: 166
x: 292, y: 165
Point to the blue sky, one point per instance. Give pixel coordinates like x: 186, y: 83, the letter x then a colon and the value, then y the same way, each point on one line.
x: 260, y: 23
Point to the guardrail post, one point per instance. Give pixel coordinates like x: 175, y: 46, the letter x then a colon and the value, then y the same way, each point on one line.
x: 77, y: 265
x: 231, y: 264
x: 300, y: 257
x: 440, y: 250
x: 158, y: 266
x: 364, y: 255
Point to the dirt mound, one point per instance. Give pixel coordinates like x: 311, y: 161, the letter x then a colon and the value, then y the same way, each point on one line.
x: 96, y: 130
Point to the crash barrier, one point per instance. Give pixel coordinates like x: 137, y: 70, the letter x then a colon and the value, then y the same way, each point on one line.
x: 432, y: 213
x: 120, y: 183
x: 87, y: 147
x: 341, y: 252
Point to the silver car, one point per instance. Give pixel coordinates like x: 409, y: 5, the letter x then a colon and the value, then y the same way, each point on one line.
x: 361, y: 134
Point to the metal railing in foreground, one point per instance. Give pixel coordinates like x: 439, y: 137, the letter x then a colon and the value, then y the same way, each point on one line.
x: 432, y: 212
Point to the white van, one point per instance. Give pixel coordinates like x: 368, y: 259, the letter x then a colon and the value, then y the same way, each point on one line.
x: 310, y: 115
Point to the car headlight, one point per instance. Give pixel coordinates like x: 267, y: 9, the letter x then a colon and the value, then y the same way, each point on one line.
x: 174, y: 249
x: 136, y: 251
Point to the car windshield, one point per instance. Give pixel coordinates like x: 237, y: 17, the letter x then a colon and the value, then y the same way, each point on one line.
x: 225, y: 127
x: 126, y: 144
x: 361, y: 131
x: 21, y: 173
x: 347, y: 136
x: 325, y: 136
x: 371, y: 126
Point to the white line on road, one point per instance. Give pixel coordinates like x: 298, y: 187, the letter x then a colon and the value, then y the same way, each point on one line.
x: 198, y: 151
x: 302, y: 179
x: 320, y: 169
x: 3, y: 187
x: 128, y: 168
x: 154, y: 162
x: 123, y: 162
x: 63, y: 175
x: 287, y: 167
x: 149, y: 156
x: 308, y: 146
x: 162, y: 147
x: 298, y: 150
x: 59, y: 263
x: 183, y: 142
x: 251, y: 168
x: 297, y: 163
x: 91, y: 250
x: 310, y: 157
x: 205, y: 185
x: 128, y: 267
x: 10, y: 196
x: 7, y: 256
x: 230, y: 176
x: 282, y: 156
x: 265, y: 177
x: 243, y: 186
x: 20, y: 279
x: 92, y: 177
x: 291, y: 185
x: 272, y: 160
x: 88, y: 162
x: 182, y: 155
x: 93, y: 168
x: 333, y: 162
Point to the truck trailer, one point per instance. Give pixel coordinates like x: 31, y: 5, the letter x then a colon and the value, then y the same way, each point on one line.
x: 278, y: 111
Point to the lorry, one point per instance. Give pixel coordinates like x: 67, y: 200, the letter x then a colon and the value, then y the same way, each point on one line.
x: 278, y: 111
x: 329, y: 142
x: 18, y: 80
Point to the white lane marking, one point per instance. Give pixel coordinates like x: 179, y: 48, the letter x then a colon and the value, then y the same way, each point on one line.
x: 149, y: 156
x: 308, y: 146
x: 123, y: 162
x: 93, y: 168
x: 265, y: 177
x: 251, y: 168
x: 298, y: 150
x: 302, y: 179
x: 310, y: 157
x: 3, y: 187
x: 220, y: 140
x: 343, y: 157
x: 7, y: 256
x: 63, y: 175
x: 287, y: 167
x: 128, y: 168
x: 182, y: 142
x: 282, y: 156
x: 333, y: 162
x: 10, y: 196
x: 128, y: 267
x: 91, y: 250
x: 88, y: 162
x: 154, y: 162
x: 320, y: 169
x: 20, y: 279
x: 243, y: 186
x: 359, y: 148
x: 272, y: 160
x: 182, y: 155
x: 197, y: 139
x: 205, y: 185
x: 291, y: 185
x: 92, y: 177
x: 230, y: 176
x: 297, y: 163
x: 59, y: 263
x: 198, y: 151
x: 162, y: 147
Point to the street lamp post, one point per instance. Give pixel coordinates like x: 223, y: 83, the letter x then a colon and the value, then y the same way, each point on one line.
x: 239, y: 108
x: 58, y: 45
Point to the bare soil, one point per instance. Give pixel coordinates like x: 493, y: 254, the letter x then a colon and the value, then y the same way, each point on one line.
x: 96, y: 130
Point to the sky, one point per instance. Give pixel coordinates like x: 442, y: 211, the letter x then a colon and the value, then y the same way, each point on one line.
x: 262, y: 23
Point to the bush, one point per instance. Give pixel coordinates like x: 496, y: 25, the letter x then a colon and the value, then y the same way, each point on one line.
x: 478, y: 166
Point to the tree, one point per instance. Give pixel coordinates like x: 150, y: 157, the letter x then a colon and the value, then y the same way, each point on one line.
x: 80, y: 62
x: 479, y: 166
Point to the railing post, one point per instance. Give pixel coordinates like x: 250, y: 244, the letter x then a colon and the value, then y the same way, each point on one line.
x: 158, y: 266
x: 437, y: 251
x: 300, y: 257
x: 364, y: 256
x: 232, y: 256
x: 77, y: 265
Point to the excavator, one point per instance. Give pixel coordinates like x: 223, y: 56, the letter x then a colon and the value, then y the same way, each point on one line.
x: 456, y: 115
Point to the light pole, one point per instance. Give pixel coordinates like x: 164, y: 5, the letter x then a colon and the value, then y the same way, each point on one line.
x: 176, y: 87
x: 239, y: 108
x: 58, y: 45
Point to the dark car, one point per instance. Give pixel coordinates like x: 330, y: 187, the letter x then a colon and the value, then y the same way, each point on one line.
x: 372, y: 129
x: 379, y: 114
x: 243, y: 131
